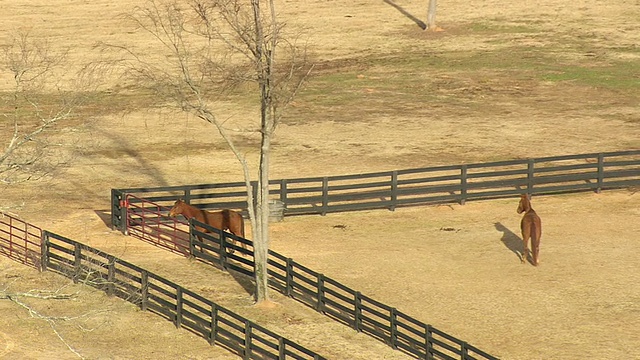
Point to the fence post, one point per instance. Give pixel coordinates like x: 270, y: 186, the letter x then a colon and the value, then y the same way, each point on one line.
x: 223, y: 250
x: 393, y: 335
x: 187, y: 196
x: 428, y: 344
x: 358, y: 312
x: 192, y: 237
x: 124, y: 215
x: 600, y: 173
x: 10, y: 235
x: 289, y: 278
x: 283, y: 191
x: 144, y: 290
x: 247, y: 340
x: 464, y: 352
x: 281, y: 350
x: 394, y: 191
x: 325, y: 196
x: 320, y: 303
x: 463, y: 184
x: 111, y: 275
x: 77, y: 257
x: 214, y: 324
x: 178, y: 307
x: 44, y: 250
x: 530, y: 174
x: 116, y: 198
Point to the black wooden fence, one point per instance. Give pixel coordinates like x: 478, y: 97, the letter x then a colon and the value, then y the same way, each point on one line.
x: 45, y: 250
x: 335, y: 300
x: 391, y: 189
x: 185, y: 308
x: 325, y: 295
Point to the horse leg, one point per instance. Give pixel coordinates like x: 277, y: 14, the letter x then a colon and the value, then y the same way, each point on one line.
x: 231, y: 250
x: 233, y: 242
x: 535, y: 247
x: 239, y: 233
x: 240, y: 230
x: 200, y: 239
x: 526, y: 233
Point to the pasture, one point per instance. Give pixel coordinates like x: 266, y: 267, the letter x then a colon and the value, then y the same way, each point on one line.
x: 502, y: 81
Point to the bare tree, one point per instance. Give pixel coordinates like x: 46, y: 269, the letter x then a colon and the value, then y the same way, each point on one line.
x: 35, y: 104
x: 214, y: 46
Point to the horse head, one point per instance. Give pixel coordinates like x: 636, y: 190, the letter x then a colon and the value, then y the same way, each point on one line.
x: 177, y: 208
x: 524, y: 204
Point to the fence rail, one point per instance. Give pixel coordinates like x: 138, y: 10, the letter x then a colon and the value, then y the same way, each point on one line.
x: 459, y: 183
x: 149, y: 221
x: 20, y: 240
x: 186, y: 309
x: 391, y: 189
x: 335, y: 300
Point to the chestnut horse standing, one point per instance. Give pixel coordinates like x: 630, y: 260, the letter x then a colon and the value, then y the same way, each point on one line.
x: 531, y: 226
x: 224, y: 219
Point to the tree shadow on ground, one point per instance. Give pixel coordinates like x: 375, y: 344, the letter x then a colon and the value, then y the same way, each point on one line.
x: 245, y: 281
x: 511, y: 240
x: 404, y: 12
x: 105, y: 216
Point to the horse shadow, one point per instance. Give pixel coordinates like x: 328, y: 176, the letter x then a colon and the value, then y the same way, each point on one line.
x: 511, y: 240
x: 404, y: 12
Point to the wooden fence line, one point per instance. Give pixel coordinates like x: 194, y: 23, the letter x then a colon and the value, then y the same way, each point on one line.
x: 335, y: 300
x: 313, y: 289
x: 186, y: 309
x: 45, y: 250
x: 391, y: 189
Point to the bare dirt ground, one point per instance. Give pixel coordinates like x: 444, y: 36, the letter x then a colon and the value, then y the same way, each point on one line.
x: 502, y: 81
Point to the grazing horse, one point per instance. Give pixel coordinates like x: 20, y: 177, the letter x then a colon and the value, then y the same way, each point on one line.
x: 224, y: 219
x: 531, y: 226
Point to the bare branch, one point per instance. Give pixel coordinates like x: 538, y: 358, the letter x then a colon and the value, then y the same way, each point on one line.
x: 212, y: 46
x: 38, y: 104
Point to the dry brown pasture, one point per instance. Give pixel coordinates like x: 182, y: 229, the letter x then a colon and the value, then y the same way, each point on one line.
x: 504, y: 80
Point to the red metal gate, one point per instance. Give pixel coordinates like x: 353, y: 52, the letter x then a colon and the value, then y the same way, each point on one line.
x: 20, y: 241
x: 150, y: 222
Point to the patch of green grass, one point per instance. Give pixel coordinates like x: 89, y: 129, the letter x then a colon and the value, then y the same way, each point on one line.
x: 463, y: 81
x: 621, y: 76
x: 493, y: 28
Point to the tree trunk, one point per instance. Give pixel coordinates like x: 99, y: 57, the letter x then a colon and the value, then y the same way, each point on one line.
x: 261, y: 242
x: 431, y: 15
x: 263, y: 65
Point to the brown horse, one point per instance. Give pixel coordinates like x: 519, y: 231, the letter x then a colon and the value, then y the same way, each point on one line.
x: 531, y: 226
x: 224, y: 219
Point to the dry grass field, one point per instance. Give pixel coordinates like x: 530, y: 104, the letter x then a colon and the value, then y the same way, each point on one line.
x: 502, y: 81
